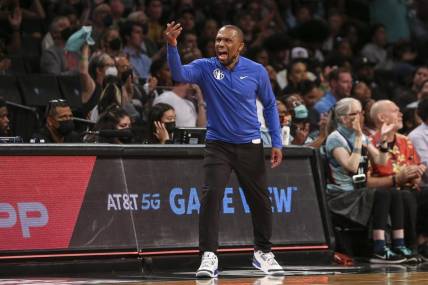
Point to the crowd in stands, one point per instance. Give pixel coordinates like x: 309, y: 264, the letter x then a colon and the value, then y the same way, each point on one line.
x: 318, y: 53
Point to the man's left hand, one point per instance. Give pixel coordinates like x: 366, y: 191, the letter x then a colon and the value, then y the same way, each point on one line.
x: 276, y: 157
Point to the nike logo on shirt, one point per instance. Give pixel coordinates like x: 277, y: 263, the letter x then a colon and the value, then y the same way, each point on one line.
x: 242, y: 77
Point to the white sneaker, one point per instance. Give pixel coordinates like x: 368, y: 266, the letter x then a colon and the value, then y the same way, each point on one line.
x: 266, y: 262
x: 209, y: 266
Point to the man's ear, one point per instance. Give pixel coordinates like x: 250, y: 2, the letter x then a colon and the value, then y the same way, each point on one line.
x: 241, y: 47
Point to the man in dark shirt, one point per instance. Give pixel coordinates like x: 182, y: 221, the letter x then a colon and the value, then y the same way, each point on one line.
x: 59, y: 127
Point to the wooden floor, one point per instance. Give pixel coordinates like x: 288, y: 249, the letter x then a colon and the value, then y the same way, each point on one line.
x: 365, y: 274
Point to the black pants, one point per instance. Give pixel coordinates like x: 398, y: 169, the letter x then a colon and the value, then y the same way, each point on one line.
x: 247, y: 160
x: 410, y: 208
x: 422, y: 213
x: 388, y: 202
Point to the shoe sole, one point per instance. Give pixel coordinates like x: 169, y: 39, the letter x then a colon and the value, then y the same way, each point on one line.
x: 381, y: 261
x: 206, y: 274
x: 272, y: 273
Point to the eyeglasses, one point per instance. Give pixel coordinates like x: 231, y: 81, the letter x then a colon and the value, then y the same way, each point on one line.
x: 57, y: 101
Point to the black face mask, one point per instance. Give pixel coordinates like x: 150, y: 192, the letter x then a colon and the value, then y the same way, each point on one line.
x: 66, y: 33
x: 170, y: 127
x: 115, y: 44
x: 66, y: 127
x: 128, y: 139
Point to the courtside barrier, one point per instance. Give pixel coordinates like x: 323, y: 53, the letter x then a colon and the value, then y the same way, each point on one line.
x: 144, y: 200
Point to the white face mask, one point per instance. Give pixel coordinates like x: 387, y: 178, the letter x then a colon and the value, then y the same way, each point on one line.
x: 111, y: 71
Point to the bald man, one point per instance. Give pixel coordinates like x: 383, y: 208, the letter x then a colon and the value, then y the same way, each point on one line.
x: 230, y: 84
x: 402, y: 171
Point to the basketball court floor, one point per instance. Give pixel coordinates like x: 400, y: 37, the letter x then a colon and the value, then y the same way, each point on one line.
x: 359, y: 274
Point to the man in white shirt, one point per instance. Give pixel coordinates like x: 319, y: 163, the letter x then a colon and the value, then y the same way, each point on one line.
x: 181, y: 99
x: 419, y: 136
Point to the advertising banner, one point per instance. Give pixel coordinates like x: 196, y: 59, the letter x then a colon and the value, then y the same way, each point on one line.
x: 142, y: 203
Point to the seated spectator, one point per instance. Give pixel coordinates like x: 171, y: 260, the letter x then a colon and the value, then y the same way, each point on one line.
x: 58, y: 24
x: 300, y: 133
x: 161, y: 124
x: 284, y: 121
x: 340, y: 81
x: 132, y: 94
x: 98, y: 67
x: 59, y: 127
x: 376, y: 50
x: 296, y: 72
x: 419, y: 136
x: 348, y: 151
x: 111, y: 43
x: 56, y: 60
x: 361, y: 92
x: 404, y: 95
x: 421, y: 94
x: 102, y: 19
x: 4, y: 119
x: 369, y: 126
x: 133, y: 35
x: 402, y: 170
x: 181, y: 99
x: 310, y: 92
x: 114, y: 118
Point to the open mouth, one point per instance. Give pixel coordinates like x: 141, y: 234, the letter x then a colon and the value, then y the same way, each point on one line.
x: 222, y: 55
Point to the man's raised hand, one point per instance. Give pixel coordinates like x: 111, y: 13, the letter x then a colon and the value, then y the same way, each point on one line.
x: 172, y: 32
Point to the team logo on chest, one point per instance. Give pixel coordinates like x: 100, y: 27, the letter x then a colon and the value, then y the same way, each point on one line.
x: 218, y: 74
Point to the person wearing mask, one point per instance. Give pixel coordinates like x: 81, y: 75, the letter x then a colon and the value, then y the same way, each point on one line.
x: 113, y: 119
x: 96, y: 70
x: 161, y: 124
x: 59, y: 127
x: 111, y: 43
x: 231, y: 84
x: 55, y: 59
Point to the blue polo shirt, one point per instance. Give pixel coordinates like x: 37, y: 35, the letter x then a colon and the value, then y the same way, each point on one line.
x: 231, y: 97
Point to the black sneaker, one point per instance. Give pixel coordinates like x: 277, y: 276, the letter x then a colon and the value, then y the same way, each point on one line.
x: 423, y: 251
x: 407, y: 253
x: 387, y: 257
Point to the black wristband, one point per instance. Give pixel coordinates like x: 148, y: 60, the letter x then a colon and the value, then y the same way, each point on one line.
x: 394, y: 181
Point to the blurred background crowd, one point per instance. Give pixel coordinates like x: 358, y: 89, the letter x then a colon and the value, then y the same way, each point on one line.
x: 315, y: 51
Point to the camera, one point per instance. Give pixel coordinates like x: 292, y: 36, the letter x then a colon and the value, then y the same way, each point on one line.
x: 359, y: 178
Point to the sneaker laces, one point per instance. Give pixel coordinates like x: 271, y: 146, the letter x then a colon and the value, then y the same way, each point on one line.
x: 208, y: 261
x: 269, y: 257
